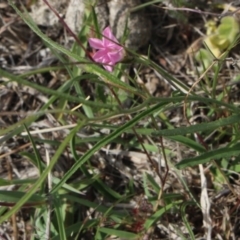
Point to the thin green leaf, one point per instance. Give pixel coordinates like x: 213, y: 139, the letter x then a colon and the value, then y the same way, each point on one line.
x: 4, y: 182
x: 60, y: 220
x: 49, y: 91
x: 14, y: 196
x: 200, y: 127
x: 118, y: 233
x: 184, y: 217
x: 192, y: 144
x: 37, y: 155
x: 226, y: 152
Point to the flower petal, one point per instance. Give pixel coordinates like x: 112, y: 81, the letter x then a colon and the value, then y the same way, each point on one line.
x: 96, y: 43
x: 107, y: 32
x: 101, y: 56
x: 116, y: 56
x: 109, y: 68
x: 109, y: 50
x: 108, y: 38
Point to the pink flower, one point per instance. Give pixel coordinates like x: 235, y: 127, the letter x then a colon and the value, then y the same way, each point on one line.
x: 109, y: 51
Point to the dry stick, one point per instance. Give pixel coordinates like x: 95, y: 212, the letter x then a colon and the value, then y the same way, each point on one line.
x: 15, y: 150
x: 219, y: 15
x: 191, y: 10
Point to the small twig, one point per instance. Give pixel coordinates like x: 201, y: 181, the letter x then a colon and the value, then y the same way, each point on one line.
x: 15, y: 150
x: 220, y: 15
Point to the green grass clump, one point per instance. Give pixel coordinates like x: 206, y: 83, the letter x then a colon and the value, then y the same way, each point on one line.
x: 93, y: 198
